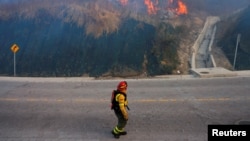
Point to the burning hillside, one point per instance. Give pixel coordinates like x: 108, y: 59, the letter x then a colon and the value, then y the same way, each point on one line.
x: 97, y: 37
x: 176, y: 6
x: 153, y: 6
x: 98, y: 16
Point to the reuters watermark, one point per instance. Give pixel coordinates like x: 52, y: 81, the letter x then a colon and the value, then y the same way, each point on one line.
x: 224, y: 132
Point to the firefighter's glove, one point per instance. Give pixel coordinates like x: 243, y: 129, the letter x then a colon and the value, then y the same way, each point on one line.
x: 125, y: 117
x: 126, y: 103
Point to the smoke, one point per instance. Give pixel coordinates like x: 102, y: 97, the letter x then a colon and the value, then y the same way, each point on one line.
x: 11, y: 1
x: 6, y: 1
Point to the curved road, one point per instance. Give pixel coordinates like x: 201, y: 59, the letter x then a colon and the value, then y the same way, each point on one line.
x: 77, y: 109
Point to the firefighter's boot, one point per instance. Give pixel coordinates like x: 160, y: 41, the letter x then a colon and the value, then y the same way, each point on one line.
x: 117, y: 136
x: 123, y: 133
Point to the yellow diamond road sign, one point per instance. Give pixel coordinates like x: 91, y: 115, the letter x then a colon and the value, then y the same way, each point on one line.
x: 14, y: 48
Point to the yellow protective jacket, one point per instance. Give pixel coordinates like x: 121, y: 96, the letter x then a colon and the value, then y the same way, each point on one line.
x: 122, y: 100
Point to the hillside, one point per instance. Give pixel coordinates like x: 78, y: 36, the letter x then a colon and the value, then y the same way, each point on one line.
x: 102, y: 37
x: 230, y: 28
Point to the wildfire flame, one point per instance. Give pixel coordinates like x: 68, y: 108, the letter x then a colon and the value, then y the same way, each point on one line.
x: 124, y: 2
x: 176, y: 6
x: 152, y: 6
x: 182, y: 8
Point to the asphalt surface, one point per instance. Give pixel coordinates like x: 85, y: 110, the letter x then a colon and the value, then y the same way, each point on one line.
x: 77, y: 109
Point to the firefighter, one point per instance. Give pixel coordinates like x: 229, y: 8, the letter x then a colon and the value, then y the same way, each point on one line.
x: 119, y: 106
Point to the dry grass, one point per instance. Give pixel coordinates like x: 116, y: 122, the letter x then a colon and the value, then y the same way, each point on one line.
x: 98, y: 17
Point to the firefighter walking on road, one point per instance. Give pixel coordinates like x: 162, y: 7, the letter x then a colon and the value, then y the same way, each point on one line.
x: 119, y: 105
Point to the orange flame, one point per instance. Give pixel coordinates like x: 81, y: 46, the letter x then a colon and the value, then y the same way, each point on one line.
x: 124, y: 2
x: 182, y: 8
x: 178, y: 7
x: 152, y: 9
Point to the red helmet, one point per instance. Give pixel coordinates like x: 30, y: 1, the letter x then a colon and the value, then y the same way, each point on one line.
x: 122, y: 85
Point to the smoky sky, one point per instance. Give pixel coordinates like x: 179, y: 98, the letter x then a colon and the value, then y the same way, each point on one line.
x: 10, y: 1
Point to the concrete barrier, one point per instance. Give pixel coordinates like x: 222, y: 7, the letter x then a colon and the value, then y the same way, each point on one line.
x: 213, y: 72
x: 210, y: 21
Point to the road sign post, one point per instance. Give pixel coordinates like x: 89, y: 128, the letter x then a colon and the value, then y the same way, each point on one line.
x: 14, y: 48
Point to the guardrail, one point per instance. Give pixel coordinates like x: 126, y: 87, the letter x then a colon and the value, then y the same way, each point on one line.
x: 210, y: 21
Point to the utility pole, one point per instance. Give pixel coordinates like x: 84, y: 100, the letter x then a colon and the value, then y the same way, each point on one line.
x: 236, y: 50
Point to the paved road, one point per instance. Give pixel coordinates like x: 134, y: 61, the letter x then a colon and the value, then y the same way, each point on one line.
x: 78, y: 109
